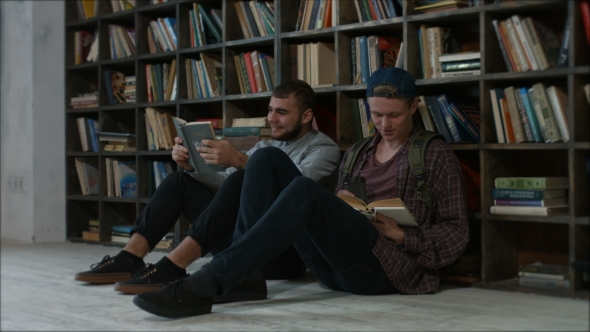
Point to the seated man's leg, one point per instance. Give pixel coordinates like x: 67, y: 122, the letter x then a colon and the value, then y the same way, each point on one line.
x: 178, y: 193
x: 299, y: 209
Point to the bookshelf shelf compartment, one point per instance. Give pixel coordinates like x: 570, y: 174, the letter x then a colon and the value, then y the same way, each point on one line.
x: 476, y: 33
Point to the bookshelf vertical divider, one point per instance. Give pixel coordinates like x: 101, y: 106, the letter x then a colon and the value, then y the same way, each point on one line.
x: 503, y: 241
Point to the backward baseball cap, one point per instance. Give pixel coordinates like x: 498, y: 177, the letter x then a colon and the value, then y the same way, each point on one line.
x: 401, y: 81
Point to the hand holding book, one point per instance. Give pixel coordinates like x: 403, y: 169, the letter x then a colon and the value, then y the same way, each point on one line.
x: 393, y: 208
x: 389, y: 227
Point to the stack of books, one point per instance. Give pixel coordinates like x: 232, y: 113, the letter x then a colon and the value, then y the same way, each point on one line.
x: 460, y: 64
x: 544, y: 276
x: 246, y: 132
x: 538, y: 196
x: 160, y: 130
x: 93, y: 232
x: 117, y: 142
x: 317, y: 14
x: 85, y: 100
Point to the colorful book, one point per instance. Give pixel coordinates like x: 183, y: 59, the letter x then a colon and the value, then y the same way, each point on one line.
x: 531, y: 202
x: 530, y: 194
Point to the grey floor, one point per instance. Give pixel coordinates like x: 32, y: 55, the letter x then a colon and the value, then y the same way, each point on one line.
x: 38, y: 292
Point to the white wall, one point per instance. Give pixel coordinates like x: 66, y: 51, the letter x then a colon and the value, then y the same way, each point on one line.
x: 32, y: 134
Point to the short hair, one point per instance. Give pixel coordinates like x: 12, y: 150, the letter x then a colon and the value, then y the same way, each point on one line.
x: 384, y: 89
x: 301, y: 91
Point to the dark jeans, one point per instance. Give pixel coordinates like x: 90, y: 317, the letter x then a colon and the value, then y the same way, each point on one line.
x: 213, y: 230
x: 280, y: 208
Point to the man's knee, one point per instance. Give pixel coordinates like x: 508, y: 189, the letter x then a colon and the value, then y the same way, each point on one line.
x: 267, y: 154
x: 175, y: 179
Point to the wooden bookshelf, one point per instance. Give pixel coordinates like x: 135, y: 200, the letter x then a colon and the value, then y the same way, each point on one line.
x: 506, y: 241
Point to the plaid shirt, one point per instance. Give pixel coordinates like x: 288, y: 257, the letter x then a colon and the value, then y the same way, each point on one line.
x: 412, y: 267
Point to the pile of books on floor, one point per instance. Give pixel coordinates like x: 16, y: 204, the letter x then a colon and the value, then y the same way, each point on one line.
x: 544, y: 276
x: 120, y: 234
x: 93, y: 232
x: 85, y: 100
x: 246, y: 132
x: 460, y: 64
x: 539, y: 196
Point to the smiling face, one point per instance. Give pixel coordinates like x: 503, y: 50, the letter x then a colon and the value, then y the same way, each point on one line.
x: 286, y: 120
x: 392, y: 117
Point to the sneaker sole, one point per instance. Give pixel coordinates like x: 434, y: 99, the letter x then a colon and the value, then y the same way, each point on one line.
x: 169, y: 312
x: 103, y: 278
x: 136, y: 289
x: 240, y: 297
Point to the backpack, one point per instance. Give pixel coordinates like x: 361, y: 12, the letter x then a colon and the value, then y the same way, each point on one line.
x: 417, y: 166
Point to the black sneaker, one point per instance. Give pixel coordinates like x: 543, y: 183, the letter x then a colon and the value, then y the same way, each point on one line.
x: 247, y: 290
x: 109, y: 271
x: 173, y: 301
x: 145, y: 280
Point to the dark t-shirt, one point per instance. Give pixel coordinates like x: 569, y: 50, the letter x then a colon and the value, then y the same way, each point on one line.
x: 381, y: 178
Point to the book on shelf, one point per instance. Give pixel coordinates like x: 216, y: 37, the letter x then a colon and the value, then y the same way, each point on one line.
x: 531, y: 182
x: 531, y: 115
x: 544, y: 112
x: 430, y: 6
x: 393, y: 208
x: 531, y: 202
x: 466, y: 65
x: 543, y: 275
x: 558, y: 101
x: 461, y: 73
x: 457, y: 130
x: 125, y: 178
x: 515, y: 117
x: 88, y: 175
x: 539, y: 267
x: 247, y: 131
x: 437, y: 117
x: 585, y: 11
x: 467, y: 115
x: 192, y: 133
x: 425, y: 115
x: 250, y: 122
x: 503, y: 49
x: 530, y: 210
x: 460, y: 57
x: 91, y: 236
x: 521, y: 110
x: 83, y: 41
x: 528, y: 194
x: 115, y: 86
x: 544, y: 283
x: 205, y: 13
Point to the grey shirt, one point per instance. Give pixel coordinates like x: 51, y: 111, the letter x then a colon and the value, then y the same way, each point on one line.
x: 314, y: 154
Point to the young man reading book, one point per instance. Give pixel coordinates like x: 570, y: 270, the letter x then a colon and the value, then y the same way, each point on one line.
x: 342, y: 248
x: 316, y: 156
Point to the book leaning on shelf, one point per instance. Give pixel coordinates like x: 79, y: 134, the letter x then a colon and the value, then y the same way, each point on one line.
x: 393, y: 208
x: 192, y: 134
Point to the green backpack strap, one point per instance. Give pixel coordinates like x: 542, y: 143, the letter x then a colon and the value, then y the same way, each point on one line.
x: 353, y: 154
x: 417, y: 166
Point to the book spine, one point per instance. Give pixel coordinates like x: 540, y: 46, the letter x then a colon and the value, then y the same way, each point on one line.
x: 502, y: 47
x: 544, y: 283
x: 543, y: 269
x: 547, y: 113
x: 205, y: 14
x: 521, y: 210
x: 523, y: 116
x: 439, y: 122
x: 461, y: 73
x: 460, y: 66
x: 532, y: 36
x: 241, y: 131
x: 530, y: 112
x: 364, y: 60
x: 519, y: 202
x: 517, y: 194
x: 539, y: 114
x: 542, y: 275
x: 464, y: 120
x: 443, y: 104
x: 517, y: 125
x: 559, y: 111
x: 353, y: 56
x: 528, y: 51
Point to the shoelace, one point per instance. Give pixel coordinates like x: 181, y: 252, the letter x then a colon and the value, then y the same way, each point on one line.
x: 105, y: 260
x: 146, y: 271
x: 174, y: 289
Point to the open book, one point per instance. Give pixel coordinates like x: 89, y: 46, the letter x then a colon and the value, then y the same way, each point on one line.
x: 393, y: 208
x: 192, y: 133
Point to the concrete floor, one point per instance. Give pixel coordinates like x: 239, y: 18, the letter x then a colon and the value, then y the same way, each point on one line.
x: 38, y: 292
